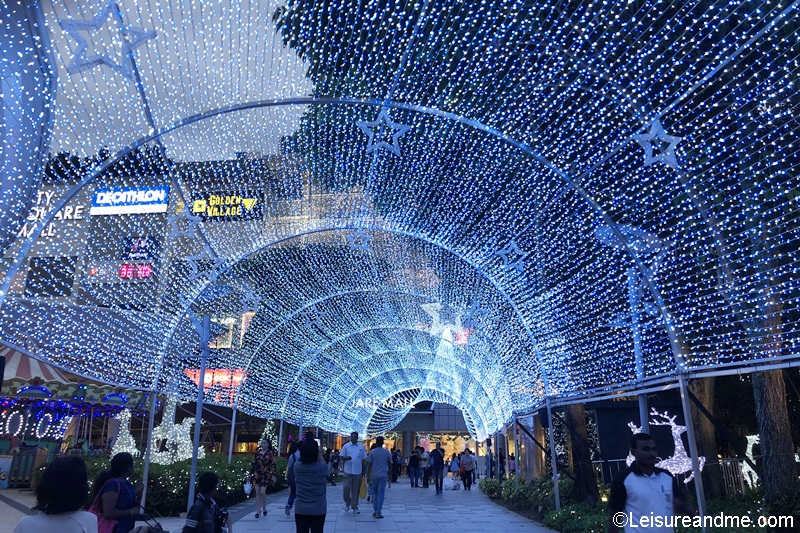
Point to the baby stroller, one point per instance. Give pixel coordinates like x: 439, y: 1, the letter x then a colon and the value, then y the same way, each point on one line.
x: 150, y: 525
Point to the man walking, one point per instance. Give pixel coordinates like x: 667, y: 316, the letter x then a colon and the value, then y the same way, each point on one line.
x: 644, y: 491
x: 437, y: 466
x: 379, y: 462
x: 353, y: 454
x: 397, y: 464
x: 424, y: 458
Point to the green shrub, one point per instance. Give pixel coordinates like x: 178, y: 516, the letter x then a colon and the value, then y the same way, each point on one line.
x: 168, y: 485
x: 490, y: 487
x: 578, y: 518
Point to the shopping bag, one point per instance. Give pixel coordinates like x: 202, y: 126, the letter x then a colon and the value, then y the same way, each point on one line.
x: 362, y: 492
x: 248, y: 488
x: 104, y: 525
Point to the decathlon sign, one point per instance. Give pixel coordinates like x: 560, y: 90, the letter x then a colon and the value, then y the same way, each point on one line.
x: 130, y: 200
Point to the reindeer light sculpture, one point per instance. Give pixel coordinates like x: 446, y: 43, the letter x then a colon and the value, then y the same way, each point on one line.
x: 680, y: 461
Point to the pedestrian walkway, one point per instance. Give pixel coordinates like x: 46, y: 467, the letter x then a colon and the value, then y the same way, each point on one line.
x: 405, y: 509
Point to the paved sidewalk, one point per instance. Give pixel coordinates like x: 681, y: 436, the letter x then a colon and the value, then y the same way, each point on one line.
x: 405, y: 509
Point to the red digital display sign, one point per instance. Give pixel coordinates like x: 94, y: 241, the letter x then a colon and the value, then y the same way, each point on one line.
x: 136, y: 270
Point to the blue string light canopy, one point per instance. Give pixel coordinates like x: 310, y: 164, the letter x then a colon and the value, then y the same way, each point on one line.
x: 485, y: 203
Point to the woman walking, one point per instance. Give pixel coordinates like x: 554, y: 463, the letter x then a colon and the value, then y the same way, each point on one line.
x: 454, y: 465
x: 117, y: 499
x: 263, y: 474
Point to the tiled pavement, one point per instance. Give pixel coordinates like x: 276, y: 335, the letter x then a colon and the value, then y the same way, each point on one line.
x: 406, y: 509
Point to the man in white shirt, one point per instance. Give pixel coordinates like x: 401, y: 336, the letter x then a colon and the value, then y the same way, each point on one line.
x: 353, y: 454
x: 645, y: 497
x: 425, y: 467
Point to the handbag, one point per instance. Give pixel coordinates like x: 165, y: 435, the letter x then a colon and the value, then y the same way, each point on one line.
x: 462, y: 469
x: 104, y: 525
x: 248, y: 488
x: 362, y: 492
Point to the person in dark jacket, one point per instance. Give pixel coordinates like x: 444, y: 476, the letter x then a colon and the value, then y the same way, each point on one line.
x: 206, y: 516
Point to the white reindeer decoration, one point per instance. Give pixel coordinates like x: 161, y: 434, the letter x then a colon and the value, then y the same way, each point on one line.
x: 750, y: 476
x: 680, y: 461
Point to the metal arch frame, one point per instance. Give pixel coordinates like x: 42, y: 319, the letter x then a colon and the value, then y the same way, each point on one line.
x: 677, y: 345
x: 448, y: 399
x: 373, y: 377
x: 463, y: 366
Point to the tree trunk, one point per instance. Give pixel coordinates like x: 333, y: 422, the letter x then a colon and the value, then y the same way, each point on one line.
x: 705, y: 433
x: 540, y: 459
x: 769, y: 390
x: 585, y: 487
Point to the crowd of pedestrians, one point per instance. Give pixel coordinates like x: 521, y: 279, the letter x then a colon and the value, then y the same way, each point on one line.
x: 62, y: 491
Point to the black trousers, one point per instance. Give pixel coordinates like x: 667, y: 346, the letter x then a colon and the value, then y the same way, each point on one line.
x: 309, y: 523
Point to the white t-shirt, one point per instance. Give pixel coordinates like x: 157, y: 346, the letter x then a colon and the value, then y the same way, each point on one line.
x: 75, y: 522
x: 423, y: 459
x: 358, y: 453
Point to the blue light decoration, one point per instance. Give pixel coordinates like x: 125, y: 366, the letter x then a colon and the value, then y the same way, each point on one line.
x: 655, y: 136
x: 456, y: 206
x: 384, y: 128
x: 130, y: 37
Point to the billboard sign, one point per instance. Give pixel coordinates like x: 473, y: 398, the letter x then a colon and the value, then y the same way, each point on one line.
x: 229, y: 206
x: 130, y: 200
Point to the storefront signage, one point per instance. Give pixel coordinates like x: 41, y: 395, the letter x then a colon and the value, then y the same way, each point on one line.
x: 119, y: 272
x: 136, y: 270
x: 229, y: 206
x: 130, y: 200
x: 42, y: 206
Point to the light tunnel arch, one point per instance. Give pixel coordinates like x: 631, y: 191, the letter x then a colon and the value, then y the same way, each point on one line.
x: 333, y: 295
x: 298, y: 375
x: 421, y: 395
x: 465, y: 368
x: 394, y: 363
x: 672, y: 330
x: 489, y: 424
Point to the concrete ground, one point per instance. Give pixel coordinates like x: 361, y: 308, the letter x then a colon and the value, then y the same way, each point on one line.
x: 406, y: 509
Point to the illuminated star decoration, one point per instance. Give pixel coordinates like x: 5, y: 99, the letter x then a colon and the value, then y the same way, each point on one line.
x: 312, y: 317
x: 249, y: 301
x: 175, y: 230
x: 205, y: 256
x: 658, y: 134
x: 130, y: 36
x: 381, y: 125
x: 512, y: 257
x: 359, y: 240
x: 474, y: 316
